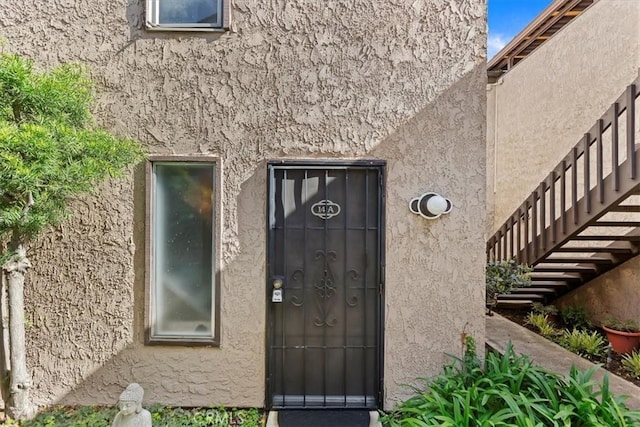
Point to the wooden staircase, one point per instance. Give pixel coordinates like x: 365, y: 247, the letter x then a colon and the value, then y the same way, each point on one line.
x: 584, y: 217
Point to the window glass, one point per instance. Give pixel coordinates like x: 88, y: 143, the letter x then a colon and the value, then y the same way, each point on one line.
x: 183, y: 255
x: 188, y: 11
x: 185, y: 13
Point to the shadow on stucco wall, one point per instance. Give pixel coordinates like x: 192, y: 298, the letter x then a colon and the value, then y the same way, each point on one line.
x: 441, y: 149
x: 613, y: 294
x: 434, y: 275
x: 179, y: 370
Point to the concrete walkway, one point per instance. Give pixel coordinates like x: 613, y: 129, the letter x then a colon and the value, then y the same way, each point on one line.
x: 499, y: 331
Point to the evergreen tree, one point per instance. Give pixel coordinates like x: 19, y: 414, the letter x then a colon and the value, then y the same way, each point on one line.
x: 50, y: 151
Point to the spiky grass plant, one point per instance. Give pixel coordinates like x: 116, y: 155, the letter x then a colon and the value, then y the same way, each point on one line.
x: 511, y: 391
x: 542, y: 324
x: 585, y: 344
x: 631, y: 363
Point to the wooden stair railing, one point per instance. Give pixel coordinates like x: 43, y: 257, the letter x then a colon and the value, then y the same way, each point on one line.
x: 579, y: 223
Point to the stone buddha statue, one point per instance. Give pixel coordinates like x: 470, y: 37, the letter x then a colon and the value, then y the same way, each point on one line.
x: 131, y: 412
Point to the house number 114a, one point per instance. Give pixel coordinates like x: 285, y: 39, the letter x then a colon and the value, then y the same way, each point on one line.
x: 325, y: 209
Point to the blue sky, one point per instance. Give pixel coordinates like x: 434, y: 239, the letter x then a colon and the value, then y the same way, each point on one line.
x: 507, y: 18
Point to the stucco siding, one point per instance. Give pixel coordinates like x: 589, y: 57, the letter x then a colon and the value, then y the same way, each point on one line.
x: 548, y: 100
x: 399, y: 81
x: 542, y: 107
x: 615, y: 293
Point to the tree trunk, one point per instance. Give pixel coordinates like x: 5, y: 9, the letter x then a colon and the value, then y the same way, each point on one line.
x: 5, y: 365
x: 19, y: 405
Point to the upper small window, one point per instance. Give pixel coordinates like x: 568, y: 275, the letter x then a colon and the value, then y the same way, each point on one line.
x: 185, y: 14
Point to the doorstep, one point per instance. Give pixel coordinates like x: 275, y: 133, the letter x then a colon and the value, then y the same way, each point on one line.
x: 549, y: 355
x: 272, y: 419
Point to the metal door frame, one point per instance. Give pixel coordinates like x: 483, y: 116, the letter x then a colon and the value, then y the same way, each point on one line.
x: 380, y: 167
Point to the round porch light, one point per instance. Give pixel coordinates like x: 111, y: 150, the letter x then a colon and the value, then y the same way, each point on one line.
x: 430, y: 205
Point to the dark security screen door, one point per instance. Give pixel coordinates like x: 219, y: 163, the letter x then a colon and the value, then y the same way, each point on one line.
x: 325, y: 247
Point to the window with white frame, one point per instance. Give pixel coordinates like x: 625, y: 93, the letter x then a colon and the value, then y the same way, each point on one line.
x: 185, y: 14
x: 183, y: 238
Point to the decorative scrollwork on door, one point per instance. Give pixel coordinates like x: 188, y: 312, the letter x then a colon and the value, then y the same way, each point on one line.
x: 298, y: 276
x: 325, y: 289
x: 352, y: 301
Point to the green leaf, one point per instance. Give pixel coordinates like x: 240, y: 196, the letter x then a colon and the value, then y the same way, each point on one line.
x: 49, y: 146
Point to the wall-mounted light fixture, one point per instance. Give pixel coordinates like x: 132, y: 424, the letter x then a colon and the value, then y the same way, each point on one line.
x: 430, y: 205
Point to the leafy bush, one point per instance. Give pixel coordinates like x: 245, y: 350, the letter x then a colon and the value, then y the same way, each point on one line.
x: 85, y: 416
x: 583, y: 343
x: 511, y: 391
x: 631, y: 363
x: 542, y: 323
x: 575, y: 317
x: 51, y: 149
x: 546, y: 310
x: 162, y: 416
x: 502, y: 277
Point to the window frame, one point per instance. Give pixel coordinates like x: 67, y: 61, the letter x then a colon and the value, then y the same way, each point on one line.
x: 214, y: 339
x: 152, y: 24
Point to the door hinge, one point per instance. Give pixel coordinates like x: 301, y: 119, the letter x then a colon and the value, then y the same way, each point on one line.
x: 380, y: 288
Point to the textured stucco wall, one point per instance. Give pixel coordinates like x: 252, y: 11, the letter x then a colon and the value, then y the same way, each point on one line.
x: 546, y: 102
x: 401, y: 81
x: 543, y: 106
x: 615, y: 293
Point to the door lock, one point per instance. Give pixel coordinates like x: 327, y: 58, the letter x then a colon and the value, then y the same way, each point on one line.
x: 276, y: 295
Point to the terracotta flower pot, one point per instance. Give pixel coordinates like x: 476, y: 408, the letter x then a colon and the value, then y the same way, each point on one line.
x: 622, y: 342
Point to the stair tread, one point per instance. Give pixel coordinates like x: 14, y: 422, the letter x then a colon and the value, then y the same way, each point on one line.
x: 625, y: 208
x: 534, y: 290
x: 521, y: 296
x: 564, y: 268
x: 514, y: 303
x: 599, y: 249
x: 576, y: 260
x: 547, y: 275
x: 612, y: 237
x: 552, y: 283
x: 630, y: 224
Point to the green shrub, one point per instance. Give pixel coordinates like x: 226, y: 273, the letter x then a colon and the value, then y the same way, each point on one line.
x: 575, y: 317
x: 631, y: 363
x: 502, y: 277
x: 204, y: 417
x: 583, y: 343
x: 542, y: 324
x: 62, y: 416
x: 162, y: 416
x: 511, y: 391
x: 546, y: 310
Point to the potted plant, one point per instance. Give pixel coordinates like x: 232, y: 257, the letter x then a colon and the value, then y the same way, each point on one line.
x: 623, y: 335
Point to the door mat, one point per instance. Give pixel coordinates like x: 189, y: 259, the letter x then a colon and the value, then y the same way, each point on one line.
x: 323, y: 418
